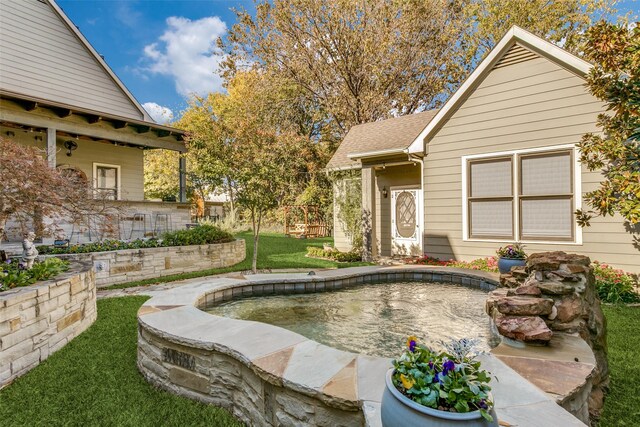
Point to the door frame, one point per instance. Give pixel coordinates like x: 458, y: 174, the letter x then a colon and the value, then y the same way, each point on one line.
x: 413, y: 245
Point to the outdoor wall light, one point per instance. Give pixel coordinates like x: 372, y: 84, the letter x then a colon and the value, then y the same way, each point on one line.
x: 385, y: 193
x: 37, y: 138
x: 70, y: 146
x: 11, y: 133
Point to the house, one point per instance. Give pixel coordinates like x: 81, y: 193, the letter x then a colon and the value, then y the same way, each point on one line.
x: 497, y: 164
x: 58, y: 93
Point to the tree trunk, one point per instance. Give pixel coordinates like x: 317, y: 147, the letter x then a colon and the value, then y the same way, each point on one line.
x: 232, y: 204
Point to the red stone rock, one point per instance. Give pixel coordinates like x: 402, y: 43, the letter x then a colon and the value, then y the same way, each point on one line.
x: 532, y: 290
x: 524, y: 328
x: 523, y: 305
x: 569, y: 308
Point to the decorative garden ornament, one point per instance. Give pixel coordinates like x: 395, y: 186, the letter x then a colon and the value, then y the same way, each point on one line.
x: 29, y: 251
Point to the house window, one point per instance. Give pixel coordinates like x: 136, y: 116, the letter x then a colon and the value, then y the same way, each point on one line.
x: 107, y: 180
x: 525, y: 196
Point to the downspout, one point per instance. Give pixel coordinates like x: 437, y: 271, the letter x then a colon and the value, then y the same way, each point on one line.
x: 418, y: 159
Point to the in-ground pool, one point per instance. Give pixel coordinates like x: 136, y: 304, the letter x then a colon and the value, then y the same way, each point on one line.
x: 373, y: 319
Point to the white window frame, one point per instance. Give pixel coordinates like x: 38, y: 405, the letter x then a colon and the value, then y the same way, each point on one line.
x: 577, y: 193
x: 118, y: 177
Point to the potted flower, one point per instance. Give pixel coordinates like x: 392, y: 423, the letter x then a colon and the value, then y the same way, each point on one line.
x: 446, y: 388
x: 511, y: 256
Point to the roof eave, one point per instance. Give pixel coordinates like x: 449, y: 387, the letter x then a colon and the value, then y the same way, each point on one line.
x: 514, y: 35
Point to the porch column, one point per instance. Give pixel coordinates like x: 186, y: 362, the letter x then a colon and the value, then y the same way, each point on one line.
x: 183, y: 179
x: 51, y: 147
x: 368, y: 213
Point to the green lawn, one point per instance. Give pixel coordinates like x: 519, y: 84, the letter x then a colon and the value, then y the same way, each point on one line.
x: 274, y: 251
x: 93, y: 381
x: 622, y: 405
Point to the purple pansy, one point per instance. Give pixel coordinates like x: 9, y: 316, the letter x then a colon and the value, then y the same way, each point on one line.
x: 448, y: 366
x: 412, y: 346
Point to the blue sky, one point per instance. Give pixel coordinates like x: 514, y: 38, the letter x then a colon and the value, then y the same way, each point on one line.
x: 161, y: 49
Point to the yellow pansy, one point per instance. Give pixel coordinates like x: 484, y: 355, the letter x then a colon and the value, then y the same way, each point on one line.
x: 406, y: 382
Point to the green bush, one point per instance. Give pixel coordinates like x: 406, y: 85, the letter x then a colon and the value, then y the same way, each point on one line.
x: 334, y: 254
x: 614, y: 286
x: 200, y: 235
x: 14, y: 275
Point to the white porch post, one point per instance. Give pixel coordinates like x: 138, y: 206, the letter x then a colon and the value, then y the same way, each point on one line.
x: 51, y: 147
x: 183, y: 179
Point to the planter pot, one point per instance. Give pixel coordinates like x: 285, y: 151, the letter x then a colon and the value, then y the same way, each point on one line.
x: 505, y: 264
x: 399, y: 410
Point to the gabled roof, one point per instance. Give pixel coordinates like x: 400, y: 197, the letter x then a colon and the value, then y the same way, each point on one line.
x: 514, y: 35
x: 385, y: 137
x: 45, y: 56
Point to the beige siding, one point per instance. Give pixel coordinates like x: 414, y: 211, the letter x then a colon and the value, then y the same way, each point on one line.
x: 529, y: 104
x: 130, y: 161
x: 41, y: 57
x: 341, y: 241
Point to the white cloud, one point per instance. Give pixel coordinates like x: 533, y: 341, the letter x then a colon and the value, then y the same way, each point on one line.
x: 158, y: 113
x: 187, y: 53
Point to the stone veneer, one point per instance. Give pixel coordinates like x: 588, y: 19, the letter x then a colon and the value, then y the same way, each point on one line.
x: 553, y: 301
x: 37, y: 320
x: 269, y: 376
x: 138, y: 264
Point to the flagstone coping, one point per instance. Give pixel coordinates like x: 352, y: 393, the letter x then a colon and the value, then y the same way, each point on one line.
x: 337, y: 378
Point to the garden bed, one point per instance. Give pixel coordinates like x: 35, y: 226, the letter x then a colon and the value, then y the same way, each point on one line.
x: 37, y: 320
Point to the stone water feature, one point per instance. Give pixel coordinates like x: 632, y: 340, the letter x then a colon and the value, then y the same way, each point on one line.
x: 552, y: 302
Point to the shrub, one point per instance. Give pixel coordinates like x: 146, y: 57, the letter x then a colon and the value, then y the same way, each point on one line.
x: 334, y: 254
x: 614, y: 286
x: 201, y: 235
x: 14, y: 275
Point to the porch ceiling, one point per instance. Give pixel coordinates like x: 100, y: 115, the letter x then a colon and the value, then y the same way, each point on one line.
x: 72, y: 120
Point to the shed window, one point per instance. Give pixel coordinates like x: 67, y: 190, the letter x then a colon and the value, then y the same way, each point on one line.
x: 524, y: 196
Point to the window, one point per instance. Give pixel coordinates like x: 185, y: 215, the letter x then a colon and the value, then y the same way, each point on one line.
x: 107, y: 180
x: 521, y: 196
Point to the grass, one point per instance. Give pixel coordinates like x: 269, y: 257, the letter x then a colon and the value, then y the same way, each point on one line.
x: 93, y: 381
x: 274, y: 251
x: 622, y: 404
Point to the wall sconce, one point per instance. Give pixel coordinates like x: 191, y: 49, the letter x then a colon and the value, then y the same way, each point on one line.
x: 37, y: 138
x: 70, y: 146
x: 385, y: 193
x: 11, y: 133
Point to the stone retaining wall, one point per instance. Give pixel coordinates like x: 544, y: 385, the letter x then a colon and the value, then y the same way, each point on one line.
x: 139, y: 264
x: 36, y: 321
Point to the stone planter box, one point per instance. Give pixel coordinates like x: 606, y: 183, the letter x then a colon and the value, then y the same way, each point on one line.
x: 37, y: 320
x: 138, y: 264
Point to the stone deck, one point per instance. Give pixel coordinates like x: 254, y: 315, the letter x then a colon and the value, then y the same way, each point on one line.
x: 267, y: 375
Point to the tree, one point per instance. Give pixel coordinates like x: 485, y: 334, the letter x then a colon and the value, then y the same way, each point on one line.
x: 263, y: 153
x: 615, y: 79
x: 561, y: 22
x: 161, y: 174
x: 358, y: 61
x: 37, y: 196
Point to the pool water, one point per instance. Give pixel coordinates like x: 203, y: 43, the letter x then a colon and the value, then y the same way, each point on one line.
x: 373, y: 319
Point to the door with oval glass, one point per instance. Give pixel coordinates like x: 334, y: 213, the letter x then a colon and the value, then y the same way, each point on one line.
x: 405, y: 222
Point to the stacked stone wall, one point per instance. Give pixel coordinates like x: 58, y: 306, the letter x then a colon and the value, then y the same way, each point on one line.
x: 139, y: 264
x: 257, y: 398
x: 554, y: 294
x: 38, y: 320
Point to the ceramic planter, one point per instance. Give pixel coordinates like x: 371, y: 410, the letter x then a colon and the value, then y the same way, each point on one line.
x: 505, y: 264
x: 399, y: 410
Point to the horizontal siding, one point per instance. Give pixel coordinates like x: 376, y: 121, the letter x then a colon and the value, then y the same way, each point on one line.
x: 42, y: 58
x: 524, y: 105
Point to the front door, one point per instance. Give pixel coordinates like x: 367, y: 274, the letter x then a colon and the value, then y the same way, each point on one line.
x: 405, y: 222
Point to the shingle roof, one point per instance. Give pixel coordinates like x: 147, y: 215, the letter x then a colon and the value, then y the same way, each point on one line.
x: 395, y: 133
